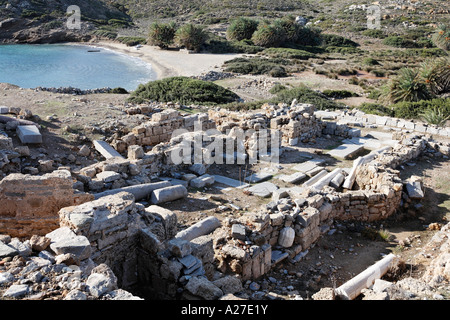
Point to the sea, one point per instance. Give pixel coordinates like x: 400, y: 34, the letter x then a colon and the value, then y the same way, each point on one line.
x: 77, y: 66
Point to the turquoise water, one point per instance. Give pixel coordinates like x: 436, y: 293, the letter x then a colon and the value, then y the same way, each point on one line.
x: 59, y: 65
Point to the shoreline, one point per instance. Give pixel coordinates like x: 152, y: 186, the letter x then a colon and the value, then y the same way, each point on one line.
x: 168, y: 63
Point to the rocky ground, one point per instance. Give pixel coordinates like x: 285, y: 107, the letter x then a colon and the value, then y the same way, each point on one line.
x: 70, y: 121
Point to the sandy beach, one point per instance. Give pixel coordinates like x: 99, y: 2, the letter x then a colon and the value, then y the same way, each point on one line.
x: 170, y: 63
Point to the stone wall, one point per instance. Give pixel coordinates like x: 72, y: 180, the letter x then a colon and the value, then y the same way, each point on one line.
x: 286, y: 228
x: 295, y: 123
x: 30, y: 204
x: 360, y: 119
x: 160, y: 129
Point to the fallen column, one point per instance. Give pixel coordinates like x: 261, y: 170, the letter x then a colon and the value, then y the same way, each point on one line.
x: 201, y: 228
x: 316, y: 178
x: 168, y: 194
x: 325, y: 180
x: 106, y: 150
x: 140, y: 191
x: 352, y: 288
x: 348, y: 183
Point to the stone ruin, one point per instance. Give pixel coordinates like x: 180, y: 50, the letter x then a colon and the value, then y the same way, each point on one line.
x: 91, y: 226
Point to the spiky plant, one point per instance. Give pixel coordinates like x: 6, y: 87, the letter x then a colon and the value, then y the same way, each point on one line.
x: 191, y: 37
x: 441, y: 37
x: 241, y: 28
x: 161, y: 35
x: 435, y: 116
x: 409, y: 85
x: 437, y: 76
x: 268, y: 35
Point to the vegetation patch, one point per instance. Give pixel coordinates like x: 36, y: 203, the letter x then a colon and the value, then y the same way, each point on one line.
x: 183, y: 90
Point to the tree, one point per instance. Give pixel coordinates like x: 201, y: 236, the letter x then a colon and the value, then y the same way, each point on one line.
x: 241, y: 28
x: 191, y: 37
x: 161, y: 35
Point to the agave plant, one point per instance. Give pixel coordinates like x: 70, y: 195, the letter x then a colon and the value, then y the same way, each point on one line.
x: 441, y: 37
x: 435, y: 116
x: 409, y: 85
x: 437, y: 76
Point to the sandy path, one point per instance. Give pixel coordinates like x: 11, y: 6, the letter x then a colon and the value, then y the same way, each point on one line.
x: 169, y: 63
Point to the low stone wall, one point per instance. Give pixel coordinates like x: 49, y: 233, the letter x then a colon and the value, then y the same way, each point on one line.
x: 30, y: 204
x: 360, y: 119
x: 160, y: 129
x: 295, y: 123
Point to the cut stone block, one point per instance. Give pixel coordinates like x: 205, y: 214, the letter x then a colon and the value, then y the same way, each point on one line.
x: 293, y: 178
x: 346, y: 151
x: 258, y: 177
x: 64, y: 240
x: 263, y: 189
x: 238, y: 231
x: 106, y: 150
x: 286, y: 237
x: 414, y: 190
x: 168, y: 194
x: 29, y: 134
x: 230, y: 182
x: 4, y: 110
x: 108, y: 176
x: 202, y: 181
x: 7, y: 251
x: 278, y: 256
x: 308, y: 165
x: 175, y: 182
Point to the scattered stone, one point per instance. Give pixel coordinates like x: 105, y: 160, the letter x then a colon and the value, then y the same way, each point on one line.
x: 29, y: 134
x: 263, y: 189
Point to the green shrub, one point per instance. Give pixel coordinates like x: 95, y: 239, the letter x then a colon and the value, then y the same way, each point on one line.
x: 132, y: 41
x: 374, y: 33
x: 105, y: 34
x: 277, y: 88
x: 370, y: 62
x: 399, y: 42
x: 225, y: 46
x: 161, y: 35
x: 306, y: 95
x: 191, y: 37
x: 339, y: 94
x: 414, y: 110
x: 309, y: 36
x: 268, y: 35
x: 278, y: 72
x: 118, y: 90
x: 342, y: 50
x: 241, y: 28
x: 183, y: 90
x: 334, y: 40
x: 288, y: 53
x: 374, y: 108
x: 254, y: 66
